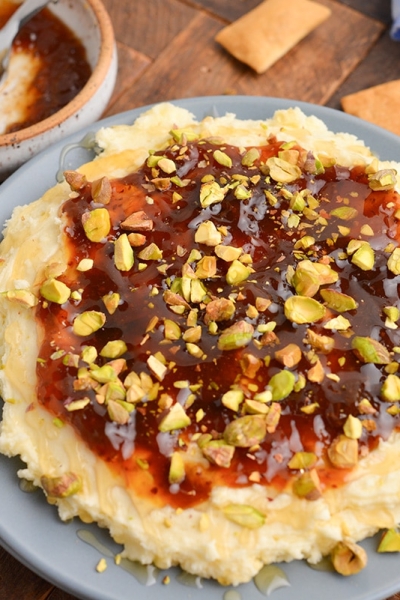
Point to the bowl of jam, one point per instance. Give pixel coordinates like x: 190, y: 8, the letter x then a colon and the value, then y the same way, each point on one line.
x: 61, y: 74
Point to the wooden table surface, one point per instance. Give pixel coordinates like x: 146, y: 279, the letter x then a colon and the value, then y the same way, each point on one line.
x: 167, y: 51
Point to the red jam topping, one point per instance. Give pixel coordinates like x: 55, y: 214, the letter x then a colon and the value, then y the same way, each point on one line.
x: 64, y: 68
x: 257, y: 323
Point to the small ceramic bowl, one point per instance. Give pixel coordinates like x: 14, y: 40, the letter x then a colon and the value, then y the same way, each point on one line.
x: 90, y: 22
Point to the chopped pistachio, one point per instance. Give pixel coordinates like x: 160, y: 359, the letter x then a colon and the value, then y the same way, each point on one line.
x: 237, y: 273
x: 219, y: 453
x: 393, y: 263
x: 353, y: 427
x: 305, y: 282
x: 302, y: 460
x: 364, y: 257
x: 222, y: 158
x: 339, y: 323
x: 176, y: 418
x: 111, y: 302
x: 85, y: 264
x: 157, y: 367
x: 385, y: 179
x: 282, y: 171
x: 254, y: 407
x: 167, y: 165
x: 207, y: 234
x: 337, y: 300
x: 56, y: 291
x: 114, y: 349
x: 345, y: 213
x: 22, y: 297
x: 348, y: 558
x: 244, y: 515
x: 88, y: 322
x: 221, y: 309
x: 281, y: 384
x: 390, y: 390
x: 206, y: 267
x: 369, y: 350
x: 390, y: 541
x: 343, y: 452
x: 320, y: 343
x: 307, y: 485
x: 228, y: 253
x: 62, y: 486
x: 137, y: 221
x: 245, y: 432
x: 172, y: 331
x: 176, y: 469
x: 123, y: 253
x: 238, y: 335
x: 250, y: 157
x: 101, y: 190
x: 211, y: 193
x: 301, y: 309
x: 96, y: 224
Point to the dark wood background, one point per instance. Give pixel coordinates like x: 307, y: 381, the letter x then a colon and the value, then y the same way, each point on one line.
x: 167, y: 51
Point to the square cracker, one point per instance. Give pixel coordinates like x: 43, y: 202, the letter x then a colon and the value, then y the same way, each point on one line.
x: 266, y: 33
x: 379, y: 104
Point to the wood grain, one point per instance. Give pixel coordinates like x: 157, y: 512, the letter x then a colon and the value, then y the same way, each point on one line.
x: 195, y: 65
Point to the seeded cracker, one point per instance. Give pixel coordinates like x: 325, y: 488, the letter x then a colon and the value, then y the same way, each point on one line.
x: 268, y: 32
x: 227, y: 391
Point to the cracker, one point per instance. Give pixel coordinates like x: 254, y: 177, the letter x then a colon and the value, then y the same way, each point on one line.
x: 265, y: 34
x: 378, y: 104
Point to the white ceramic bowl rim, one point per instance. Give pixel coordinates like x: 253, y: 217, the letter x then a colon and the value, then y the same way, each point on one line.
x: 107, y: 46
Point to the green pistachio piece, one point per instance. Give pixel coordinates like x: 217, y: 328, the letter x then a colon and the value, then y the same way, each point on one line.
x: 246, y: 431
x: 151, y: 252
x: 227, y: 253
x: 282, y: 171
x: 103, y: 374
x: 167, y: 165
x: 384, y: 179
x: 197, y: 291
x: 337, y: 300
x: 390, y: 390
x: 233, y: 399
x: 119, y: 412
x: 364, y: 257
x: 301, y: 309
x: 289, y: 356
x: 320, y: 343
x: 250, y: 157
x: 221, y: 309
x: 206, y: 267
x: 348, y: 558
x: 89, y: 354
x: 123, y: 253
x: 302, y: 460
x: 176, y: 468
x: 111, y: 302
x: 23, y: 297
x: 393, y: 263
x: 211, y: 193
x: 88, y: 322
x: 369, y: 350
x: 96, y: 224
x: 281, y: 385
x: 307, y: 486
x: 157, y: 367
x: 254, y: 407
x: 339, y: 323
x: 345, y: 213
x: 172, y: 331
x: 101, y: 190
x: 392, y: 312
x: 343, y: 452
x: 324, y: 272
x: 237, y: 273
x: 238, y: 335
x: 305, y: 282
x: 207, y: 234
x: 353, y: 428
x: 184, y: 134
x: 176, y: 418
x: 390, y: 541
x: 297, y: 202
x: 55, y: 291
x: 63, y: 486
x: 244, y: 515
x: 114, y: 349
x: 222, y: 158
x: 219, y: 453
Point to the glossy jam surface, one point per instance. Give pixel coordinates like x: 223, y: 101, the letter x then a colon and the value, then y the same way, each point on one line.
x: 64, y: 69
x: 260, y: 220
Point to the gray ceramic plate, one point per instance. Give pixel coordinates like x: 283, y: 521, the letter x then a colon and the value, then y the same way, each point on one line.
x: 30, y: 528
